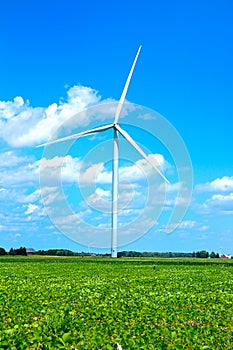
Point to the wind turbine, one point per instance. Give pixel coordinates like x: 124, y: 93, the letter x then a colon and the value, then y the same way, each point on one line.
x: 115, y: 172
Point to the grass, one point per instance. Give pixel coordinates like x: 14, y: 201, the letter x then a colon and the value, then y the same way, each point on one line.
x: 95, y: 303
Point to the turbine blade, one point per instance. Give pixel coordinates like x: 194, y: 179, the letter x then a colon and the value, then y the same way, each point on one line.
x: 124, y: 92
x: 138, y: 148
x: 80, y: 134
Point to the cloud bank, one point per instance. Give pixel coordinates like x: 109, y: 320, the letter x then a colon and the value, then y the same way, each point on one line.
x: 22, y: 125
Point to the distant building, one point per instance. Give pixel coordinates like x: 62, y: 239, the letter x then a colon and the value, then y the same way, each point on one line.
x: 226, y: 256
x: 30, y: 251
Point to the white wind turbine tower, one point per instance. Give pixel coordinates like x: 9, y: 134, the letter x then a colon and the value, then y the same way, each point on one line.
x: 116, y: 129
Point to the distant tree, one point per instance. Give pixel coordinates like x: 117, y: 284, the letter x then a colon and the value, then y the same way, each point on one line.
x: 40, y: 252
x: 21, y: 251
x: 193, y: 254
x: 202, y: 254
x: 212, y: 255
x: 2, y: 251
x: 56, y: 252
x: 217, y: 256
x: 11, y: 251
x: 155, y: 254
x: 18, y: 251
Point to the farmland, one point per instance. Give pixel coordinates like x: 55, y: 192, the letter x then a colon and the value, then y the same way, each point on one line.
x: 95, y: 303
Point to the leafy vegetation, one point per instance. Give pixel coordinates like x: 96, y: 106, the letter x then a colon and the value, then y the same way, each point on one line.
x: 18, y: 251
x: 87, y: 303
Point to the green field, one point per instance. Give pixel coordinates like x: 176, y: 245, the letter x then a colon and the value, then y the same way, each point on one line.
x: 95, y: 303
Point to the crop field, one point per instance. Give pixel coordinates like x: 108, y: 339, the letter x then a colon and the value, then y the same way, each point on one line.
x: 95, y: 303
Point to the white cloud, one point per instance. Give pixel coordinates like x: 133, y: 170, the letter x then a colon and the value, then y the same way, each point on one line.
x: 58, y: 169
x: 54, y: 162
x: 132, y: 173
x: 50, y: 195
x: 103, y: 193
x: 157, y: 159
x: 72, y: 219
x: 94, y: 173
x: 185, y: 225
x: 23, y: 125
x: 219, y: 203
x: 31, y: 208
x: 10, y: 159
x: 70, y: 169
x: 100, y: 199
x: 221, y: 200
x: 32, y: 197
x: 11, y: 108
x: 224, y: 184
x: 97, y: 173
x: 16, y: 170
x: 203, y: 228
x: 132, y: 195
x: 18, y: 235
x: 27, y: 173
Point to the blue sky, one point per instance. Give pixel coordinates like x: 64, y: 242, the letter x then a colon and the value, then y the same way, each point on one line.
x: 60, y: 56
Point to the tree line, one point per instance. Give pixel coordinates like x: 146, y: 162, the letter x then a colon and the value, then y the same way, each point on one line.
x: 198, y: 254
x: 12, y: 251
x: 205, y: 254
x: 66, y: 252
